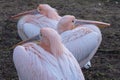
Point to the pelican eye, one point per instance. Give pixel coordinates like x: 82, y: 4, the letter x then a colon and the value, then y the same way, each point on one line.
x: 73, y: 21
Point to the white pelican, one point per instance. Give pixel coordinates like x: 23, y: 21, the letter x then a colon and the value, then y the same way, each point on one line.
x: 83, y: 52
x: 31, y: 21
x: 49, y: 60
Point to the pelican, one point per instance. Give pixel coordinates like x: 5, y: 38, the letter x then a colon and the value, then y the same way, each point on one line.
x: 49, y: 60
x: 31, y: 21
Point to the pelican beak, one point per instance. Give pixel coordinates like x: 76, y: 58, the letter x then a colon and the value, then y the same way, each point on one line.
x: 35, y: 38
x: 32, y: 12
x: 97, y: 23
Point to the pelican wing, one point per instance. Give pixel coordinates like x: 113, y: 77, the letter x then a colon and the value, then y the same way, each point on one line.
x: 30, y: 30
x: 33, y: 63
x: 82, y: 42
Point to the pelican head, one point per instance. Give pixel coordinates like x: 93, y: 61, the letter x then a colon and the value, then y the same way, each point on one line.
x: 51, y: 38
x: 44, y: 9
x: 48, y: 11
x: 68, y: 22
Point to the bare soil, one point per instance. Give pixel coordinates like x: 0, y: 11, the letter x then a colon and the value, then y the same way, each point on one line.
x: 106, y: 62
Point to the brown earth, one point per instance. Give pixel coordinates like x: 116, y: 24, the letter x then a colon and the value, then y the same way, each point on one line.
x: 106, y: 62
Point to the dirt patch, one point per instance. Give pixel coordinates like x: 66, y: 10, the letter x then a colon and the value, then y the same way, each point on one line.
x: 105, y: 64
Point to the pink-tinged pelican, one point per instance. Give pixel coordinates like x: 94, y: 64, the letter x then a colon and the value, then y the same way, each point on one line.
x: 31, y: 21
x: 49, y: 60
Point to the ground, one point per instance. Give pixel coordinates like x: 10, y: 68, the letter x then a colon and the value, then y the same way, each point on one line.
x: 105, y: 63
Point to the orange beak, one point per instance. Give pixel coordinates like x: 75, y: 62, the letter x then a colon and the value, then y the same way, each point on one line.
x: 32, y: 12
x: 35, y: 38
x: 97, y: 23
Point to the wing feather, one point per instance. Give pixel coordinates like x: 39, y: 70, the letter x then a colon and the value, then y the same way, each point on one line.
x: 81, y: 41
x: 33, y: 65
x: 30, y: 30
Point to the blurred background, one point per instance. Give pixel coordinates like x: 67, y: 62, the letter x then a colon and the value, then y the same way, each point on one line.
x: 105, y: 63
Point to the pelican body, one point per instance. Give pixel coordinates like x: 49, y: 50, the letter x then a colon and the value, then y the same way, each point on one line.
x: 51, y: 62
x: 83, y: 42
